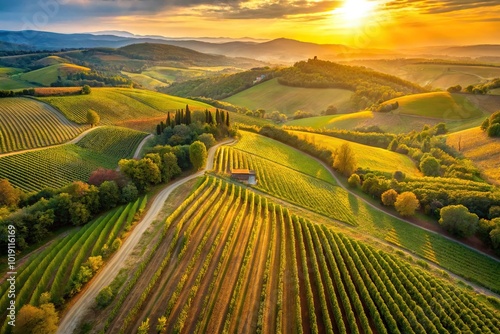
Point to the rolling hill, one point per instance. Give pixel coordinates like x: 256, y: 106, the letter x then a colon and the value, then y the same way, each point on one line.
x: 370, y: 157
x: 27, y: 123
x: 117, y: 105
x: 442, y: 105
x: 484, y: 151
x: 271, y: 95
x: 49, y: 74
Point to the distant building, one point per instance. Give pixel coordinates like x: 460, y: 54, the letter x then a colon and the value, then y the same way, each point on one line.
x: 244, y: 175
x: 259, y: 79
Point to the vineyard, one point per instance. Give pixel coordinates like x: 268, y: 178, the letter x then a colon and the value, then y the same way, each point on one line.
x: 229, y: 261
x: 332, y: 201
x: 116, y: 105
x: 59, y: 268
x: 58, y: 166
x: 26, y: 124
x: 289, y: 184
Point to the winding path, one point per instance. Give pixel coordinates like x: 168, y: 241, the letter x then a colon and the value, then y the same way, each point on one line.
x: 85, y: 300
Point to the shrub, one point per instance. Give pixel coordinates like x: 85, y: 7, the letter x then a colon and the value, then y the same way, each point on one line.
x: 430, y: 166
x: 494, y: 130
x: 406, y: 204
x: 494, y: 212
x: 354, y: 181
x: 207, y: 139
x: 389, y: 197
x: 105, y: 297
x: 457, y: 220
x: 399, y: 176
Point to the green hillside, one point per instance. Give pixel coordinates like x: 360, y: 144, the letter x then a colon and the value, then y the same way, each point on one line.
x: 116, y: 105
x: 442, y: 105
x: 9, y: 79
x: 367, y: 156
x: 47, y: 75
x: 271, y: 95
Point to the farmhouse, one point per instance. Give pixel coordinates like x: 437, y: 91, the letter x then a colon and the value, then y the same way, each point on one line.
x: 244, y: 175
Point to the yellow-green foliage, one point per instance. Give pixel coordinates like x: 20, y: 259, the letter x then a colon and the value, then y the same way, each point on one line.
x: 366, y: 156
x: 270, y: 96
x: 342, y: 121
x: 25, y: 124
x: 282, y: 154
x: 484, y: 151
x: 47, y: 75
x: 441, y: 105
x: 115, y: 105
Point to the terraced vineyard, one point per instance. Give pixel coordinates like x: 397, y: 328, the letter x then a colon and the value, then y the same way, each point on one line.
x: 53, y: 269
x: 25, y: 124
x: 115, y: 105
x: 230, y: 261
x: 56, y: 167
x: 288, y: 184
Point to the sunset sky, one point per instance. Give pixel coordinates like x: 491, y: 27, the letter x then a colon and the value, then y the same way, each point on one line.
x: 358, y: 23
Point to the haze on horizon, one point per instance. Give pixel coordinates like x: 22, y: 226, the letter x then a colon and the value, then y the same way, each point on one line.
x: 357, y: 23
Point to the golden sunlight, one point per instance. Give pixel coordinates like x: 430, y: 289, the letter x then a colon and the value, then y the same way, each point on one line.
x: 353, y: 12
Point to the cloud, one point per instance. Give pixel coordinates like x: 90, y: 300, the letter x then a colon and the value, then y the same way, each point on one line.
x: 439, y: 6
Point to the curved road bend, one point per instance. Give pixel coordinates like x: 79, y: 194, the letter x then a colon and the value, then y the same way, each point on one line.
x: 106, y: 275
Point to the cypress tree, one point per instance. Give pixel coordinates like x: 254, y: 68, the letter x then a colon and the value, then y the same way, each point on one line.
x: 222, y: 117
x: 183, y: 117
x: 217, y: 116
x: 210, y: 118
x: 162, y: 126
x: 168, y: 119
x: 158, y: 129
x: 207, y: 119
x: 227, y: 118
x: 188, y: 116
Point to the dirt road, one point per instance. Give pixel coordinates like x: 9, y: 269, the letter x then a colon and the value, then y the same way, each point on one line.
x: 73, y: 316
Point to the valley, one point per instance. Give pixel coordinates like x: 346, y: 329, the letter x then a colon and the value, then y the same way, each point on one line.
x: 159, y: 185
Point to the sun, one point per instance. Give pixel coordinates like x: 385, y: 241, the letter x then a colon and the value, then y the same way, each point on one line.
x: 354, y: 12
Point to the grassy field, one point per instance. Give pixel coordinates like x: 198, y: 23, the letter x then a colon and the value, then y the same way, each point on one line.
x: 481, y: 149
x: 231, y: 261
x: 51, y: 60
x: 118, y: 105
x: 47, y: 75
x: 53, y: 268
x: 26, y: 123
x: 366, y: 156
x: 271, y: 96
x: 342, y: 121
x: 495, y: 91
x: 442, y: 105
x: 7, y: 82
x: 446, y: 75
x: 56, y: 167
x: 145, y: 80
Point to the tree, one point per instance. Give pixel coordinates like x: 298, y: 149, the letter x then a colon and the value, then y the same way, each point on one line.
x: 331, y: 110
x: 207, y: 139
x: 399, y: 176
x: 345, y: 160
x: 494, y: 130
x: 495, y: 238
x: 9, y: 196
x: 109, y: 194
x: 40, y: 320
x: 170, y: 167
x: 93, y: 118
x: 389, y: 197
x: 129, y: 193
x: 198, y: 154
x: 354, y: 181
x: 457, y: 220
x: 430, y: 166
x: 227, y: 118
x: 80, y: 214
x: 86, y: 90
x: 407, y: 203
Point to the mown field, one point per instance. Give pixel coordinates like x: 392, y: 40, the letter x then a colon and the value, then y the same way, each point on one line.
x: 58, y: 166
x: 26, y: 123
x: 341, y: 205
x: 481, y: 149
x: 366, y: 156
x: 49, y: 74
x: 271, y: 96
x: 55, y: 267
x: 229, y: 260
x: 442, y: 105
x: 115, y: 105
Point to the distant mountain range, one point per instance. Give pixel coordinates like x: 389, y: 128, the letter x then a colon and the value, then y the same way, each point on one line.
x: 276, y: 51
